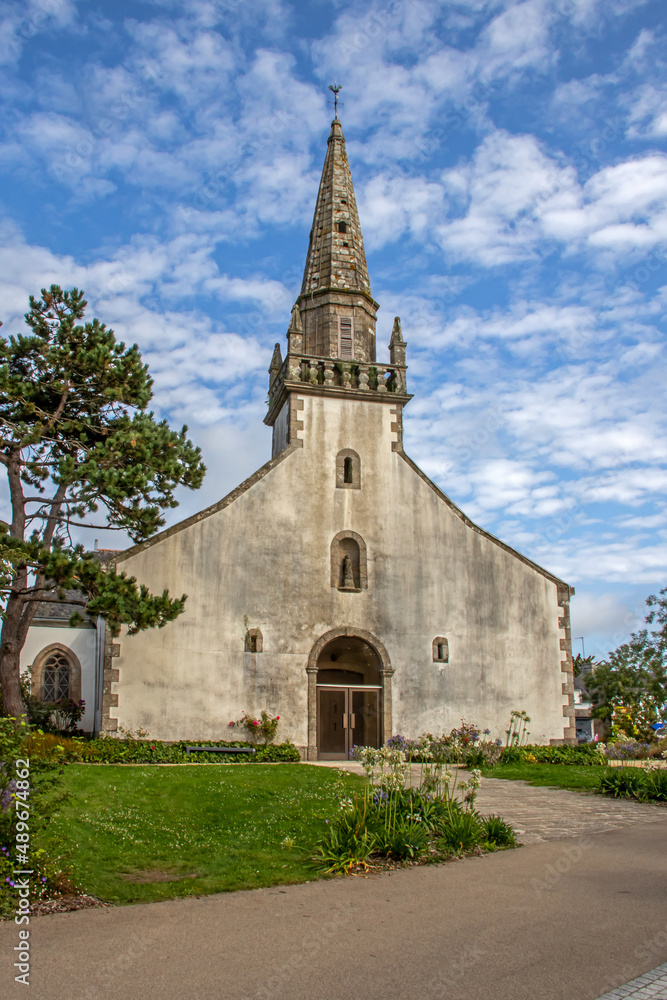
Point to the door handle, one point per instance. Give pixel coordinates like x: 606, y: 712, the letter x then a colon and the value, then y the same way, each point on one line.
x: 344, y: 720
x: 353, y: 720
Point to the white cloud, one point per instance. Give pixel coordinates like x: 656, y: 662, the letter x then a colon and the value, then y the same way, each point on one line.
x: 190, y: 359
x: 648, y: 114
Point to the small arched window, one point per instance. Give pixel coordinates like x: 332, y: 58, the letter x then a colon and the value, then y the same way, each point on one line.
x: 440, y: 650
x: 342, y: 227
x: 348, y: 470
x: 254, y: 642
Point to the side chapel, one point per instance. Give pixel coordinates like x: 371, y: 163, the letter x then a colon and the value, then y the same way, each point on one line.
x: 338, y: 587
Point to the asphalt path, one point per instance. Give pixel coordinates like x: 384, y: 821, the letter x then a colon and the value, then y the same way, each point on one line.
x: 555, y: 920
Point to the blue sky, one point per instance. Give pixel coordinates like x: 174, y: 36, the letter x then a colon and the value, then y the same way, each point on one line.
x: 511, y: 175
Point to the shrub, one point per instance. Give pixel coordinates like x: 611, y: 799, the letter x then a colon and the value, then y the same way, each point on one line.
x: 647, y: 784
x: 407, y: 839
x: 105, y: 750
x: 48, y: 746
x: 587, y: 754
x: 653, y: 786
x: 631, y: 750
x: 349, y: 840
x: 276, y: 752
x: 462, y: 833
x: 496, y: 831
x: 263, y: 728
x: 483, y: 755
x: 430, y: 810
x: 620, y: 782
x: 62, y: 716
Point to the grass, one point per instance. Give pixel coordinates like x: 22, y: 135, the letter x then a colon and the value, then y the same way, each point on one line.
x: 553, y: 775
x: 146, y: 833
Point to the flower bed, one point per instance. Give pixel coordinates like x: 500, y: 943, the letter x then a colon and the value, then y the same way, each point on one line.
x: 433, y: 820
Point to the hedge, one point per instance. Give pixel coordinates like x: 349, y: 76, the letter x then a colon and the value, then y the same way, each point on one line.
x: 583, y: 754
x: 107, y: 750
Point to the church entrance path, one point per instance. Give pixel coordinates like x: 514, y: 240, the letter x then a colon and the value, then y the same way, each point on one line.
x: 540, y: 813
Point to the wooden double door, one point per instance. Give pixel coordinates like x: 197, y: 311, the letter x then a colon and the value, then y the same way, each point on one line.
x: 347, y: 717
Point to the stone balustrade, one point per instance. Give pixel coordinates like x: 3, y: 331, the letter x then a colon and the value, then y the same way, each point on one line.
x: 330, y: 372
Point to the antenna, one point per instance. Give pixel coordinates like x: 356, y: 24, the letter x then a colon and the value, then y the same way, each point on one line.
x: 335, y: 89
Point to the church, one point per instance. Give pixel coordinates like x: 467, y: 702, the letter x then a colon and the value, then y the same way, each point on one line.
x: 338, y: 587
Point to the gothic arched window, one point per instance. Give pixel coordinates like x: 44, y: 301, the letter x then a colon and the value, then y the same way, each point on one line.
x: 56, y: 674
x: 55, y: 678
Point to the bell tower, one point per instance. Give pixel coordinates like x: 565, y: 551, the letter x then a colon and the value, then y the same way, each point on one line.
x: 331, y: 334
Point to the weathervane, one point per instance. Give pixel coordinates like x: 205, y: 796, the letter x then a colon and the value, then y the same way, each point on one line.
x: 335, y: 90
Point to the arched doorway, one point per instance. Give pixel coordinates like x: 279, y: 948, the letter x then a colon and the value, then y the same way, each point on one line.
x: 349, y: 694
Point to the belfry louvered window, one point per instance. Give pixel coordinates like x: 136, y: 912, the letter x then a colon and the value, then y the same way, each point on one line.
x: 345, y: 337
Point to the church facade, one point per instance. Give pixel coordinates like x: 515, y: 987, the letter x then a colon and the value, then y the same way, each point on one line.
x: 338, y: 587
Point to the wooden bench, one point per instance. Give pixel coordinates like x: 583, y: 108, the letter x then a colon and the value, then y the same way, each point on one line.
x: 189, y: 750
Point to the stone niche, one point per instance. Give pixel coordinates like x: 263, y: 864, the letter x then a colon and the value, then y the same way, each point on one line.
x: 349, y: 562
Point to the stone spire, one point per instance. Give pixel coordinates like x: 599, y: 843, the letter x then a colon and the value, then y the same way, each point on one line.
x: 337, y: 309
x: 336, y: 257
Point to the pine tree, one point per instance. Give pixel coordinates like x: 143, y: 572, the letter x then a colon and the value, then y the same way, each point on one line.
x: 77, y: 440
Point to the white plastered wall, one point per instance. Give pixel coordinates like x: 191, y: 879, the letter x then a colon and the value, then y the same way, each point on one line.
x: 263, y: 561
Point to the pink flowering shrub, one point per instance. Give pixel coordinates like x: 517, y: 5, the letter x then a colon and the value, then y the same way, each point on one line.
x: 263, y: 729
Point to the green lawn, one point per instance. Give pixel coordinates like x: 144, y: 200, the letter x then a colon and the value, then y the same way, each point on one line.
x: 558, y: 775
x: 135, y: 834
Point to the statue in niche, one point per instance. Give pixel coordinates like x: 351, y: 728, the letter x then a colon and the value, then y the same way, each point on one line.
x: 348, y: 575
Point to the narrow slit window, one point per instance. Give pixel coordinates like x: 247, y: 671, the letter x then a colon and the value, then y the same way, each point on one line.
x: 254, y: 642
x: 348, y: 470
x: 345, y: 337
x: 440, y: 650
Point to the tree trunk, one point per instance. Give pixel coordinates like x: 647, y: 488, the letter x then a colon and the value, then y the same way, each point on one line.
x: 10, y: 660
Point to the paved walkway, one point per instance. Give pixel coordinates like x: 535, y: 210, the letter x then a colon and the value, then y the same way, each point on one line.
x: 566, y: 918
x: 652, y: 986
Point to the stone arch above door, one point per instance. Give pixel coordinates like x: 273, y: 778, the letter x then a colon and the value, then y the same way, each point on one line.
x: 386, y: 673
x: 354, y: 633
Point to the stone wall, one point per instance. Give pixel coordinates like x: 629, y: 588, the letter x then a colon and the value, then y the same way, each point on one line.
x: 262, y: 559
